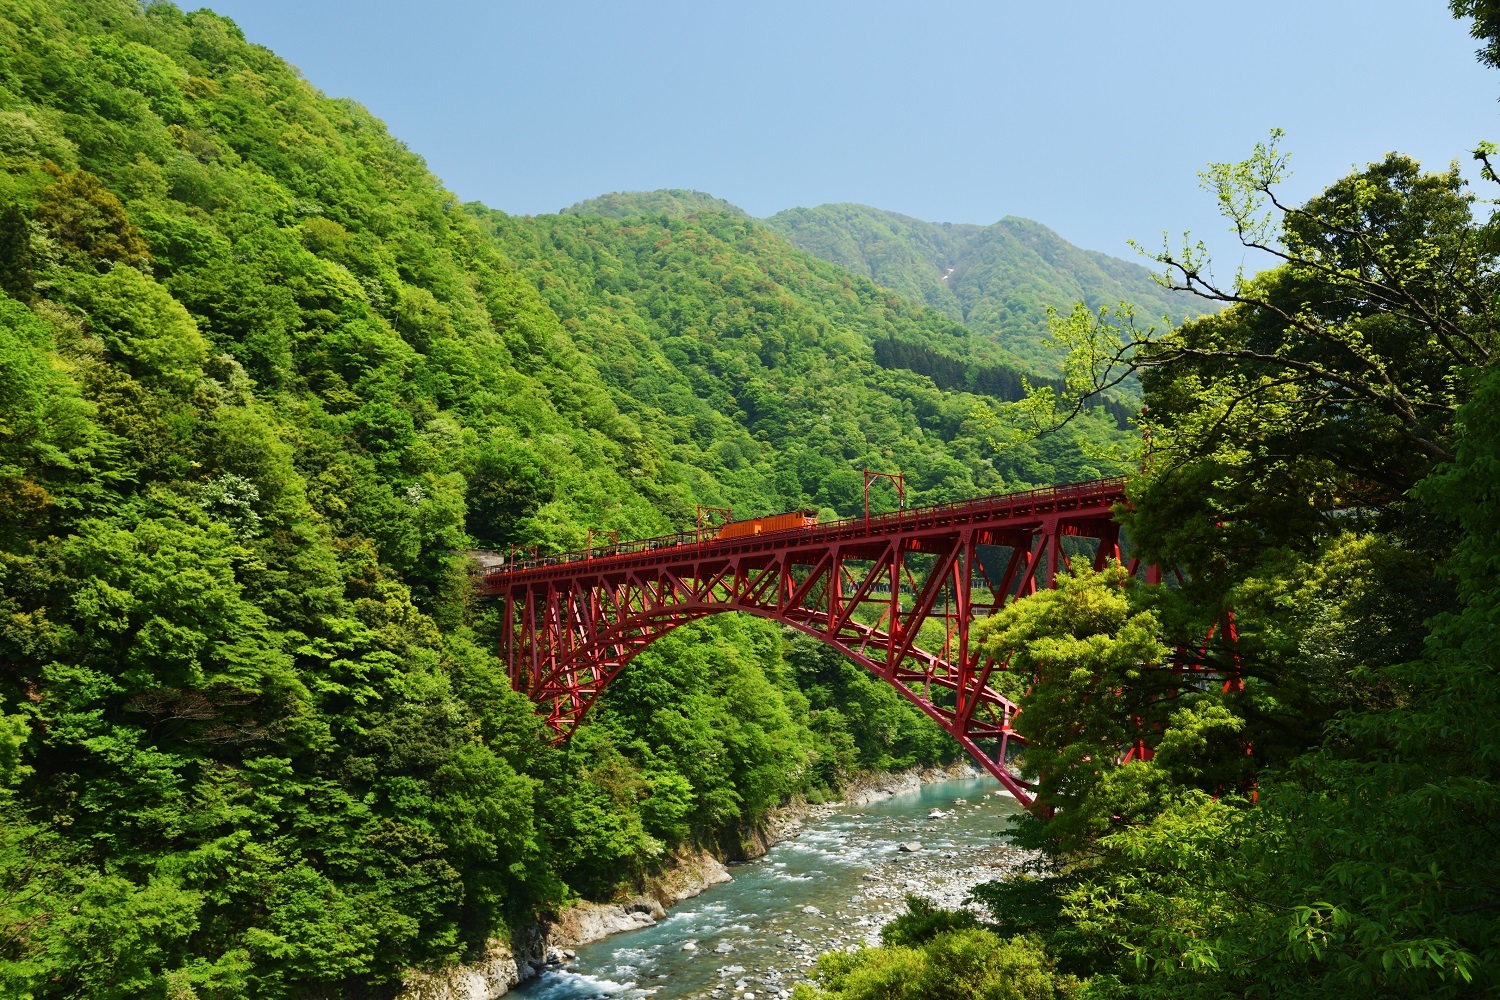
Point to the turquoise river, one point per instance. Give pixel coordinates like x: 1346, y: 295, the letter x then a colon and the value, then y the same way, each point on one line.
x: 831, y: 886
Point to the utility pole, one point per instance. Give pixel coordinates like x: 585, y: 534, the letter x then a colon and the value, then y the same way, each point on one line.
x: 705, y: 517
x: 897, y: 478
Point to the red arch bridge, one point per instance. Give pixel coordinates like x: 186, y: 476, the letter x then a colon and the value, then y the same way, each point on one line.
x: 897, y: 593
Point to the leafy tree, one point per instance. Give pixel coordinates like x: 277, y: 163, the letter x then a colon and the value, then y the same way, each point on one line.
x: 150, y: 332
x: 17, y: 261
x: 88, y: 220
x: 1485, y: 26
x: 922, y: 922
x: 1368, y: 863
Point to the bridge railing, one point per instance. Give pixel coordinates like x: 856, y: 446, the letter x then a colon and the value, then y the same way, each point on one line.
x: 1051, y: 497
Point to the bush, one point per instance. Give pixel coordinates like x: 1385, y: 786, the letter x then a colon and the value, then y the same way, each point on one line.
x: 969, y: 964
x: 923, y: 921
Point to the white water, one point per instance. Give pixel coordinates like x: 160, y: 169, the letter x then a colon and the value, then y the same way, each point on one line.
x: 752, y: 934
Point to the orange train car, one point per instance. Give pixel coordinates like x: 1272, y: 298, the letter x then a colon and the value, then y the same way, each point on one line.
x: 765, y: 525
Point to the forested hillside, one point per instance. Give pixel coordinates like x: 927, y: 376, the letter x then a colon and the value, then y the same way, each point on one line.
x: 756, y: 365
x: 668, y: 201
x: 999, y: 280
x: 264, y: 380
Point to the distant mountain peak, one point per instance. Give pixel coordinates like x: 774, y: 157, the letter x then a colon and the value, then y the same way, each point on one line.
x: 998, y: 280
x: 675, y: 202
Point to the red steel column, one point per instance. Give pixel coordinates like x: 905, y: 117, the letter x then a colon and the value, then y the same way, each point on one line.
x: 963, y: 582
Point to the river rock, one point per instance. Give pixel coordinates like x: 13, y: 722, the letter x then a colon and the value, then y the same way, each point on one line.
x: 910, y: 847
x: 812, y: 910
x: 588, y: 922
x: 872, y: 788
x: 936, y: 814
x: 687, y: 874
x: 690, y: 946
x: 497, y: 970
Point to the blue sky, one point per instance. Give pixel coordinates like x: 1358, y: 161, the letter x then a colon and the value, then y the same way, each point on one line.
x: 1091, y: 117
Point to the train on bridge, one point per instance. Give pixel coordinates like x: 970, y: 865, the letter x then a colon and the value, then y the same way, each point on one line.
x: 806, y: 518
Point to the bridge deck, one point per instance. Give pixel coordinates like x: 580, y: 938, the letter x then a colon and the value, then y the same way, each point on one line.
x: 1019, y: 507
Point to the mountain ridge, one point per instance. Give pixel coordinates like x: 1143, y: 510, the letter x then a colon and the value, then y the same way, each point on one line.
x: 998, y: 279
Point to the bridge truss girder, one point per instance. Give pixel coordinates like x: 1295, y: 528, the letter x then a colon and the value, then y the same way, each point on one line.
x: 899, y: 599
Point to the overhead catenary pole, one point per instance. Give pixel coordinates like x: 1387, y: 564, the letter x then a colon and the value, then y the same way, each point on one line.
x: 898, y: 478
x: 705, y: 517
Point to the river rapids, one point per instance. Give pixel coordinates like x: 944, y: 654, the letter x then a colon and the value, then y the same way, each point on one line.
x: 830, y: 887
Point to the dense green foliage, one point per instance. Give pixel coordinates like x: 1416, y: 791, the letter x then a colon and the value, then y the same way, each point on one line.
x: 754, y: 366
x: 998, y: 280
x: 1319, y: 817
x: 954, y: 965
x: 1003, y: 382
x: 668, y: 201
x: 923, y: 921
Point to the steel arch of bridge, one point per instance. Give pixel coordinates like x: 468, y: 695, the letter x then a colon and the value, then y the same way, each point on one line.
x: 897, y: 593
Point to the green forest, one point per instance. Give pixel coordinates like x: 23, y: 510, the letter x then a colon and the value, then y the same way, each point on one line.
x: 264, y: 381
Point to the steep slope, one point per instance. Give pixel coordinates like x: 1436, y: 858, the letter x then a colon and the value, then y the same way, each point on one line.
x: 998, y: 280
x: 262, y: 379
x: 762, y: 366
x: 901, y: 253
